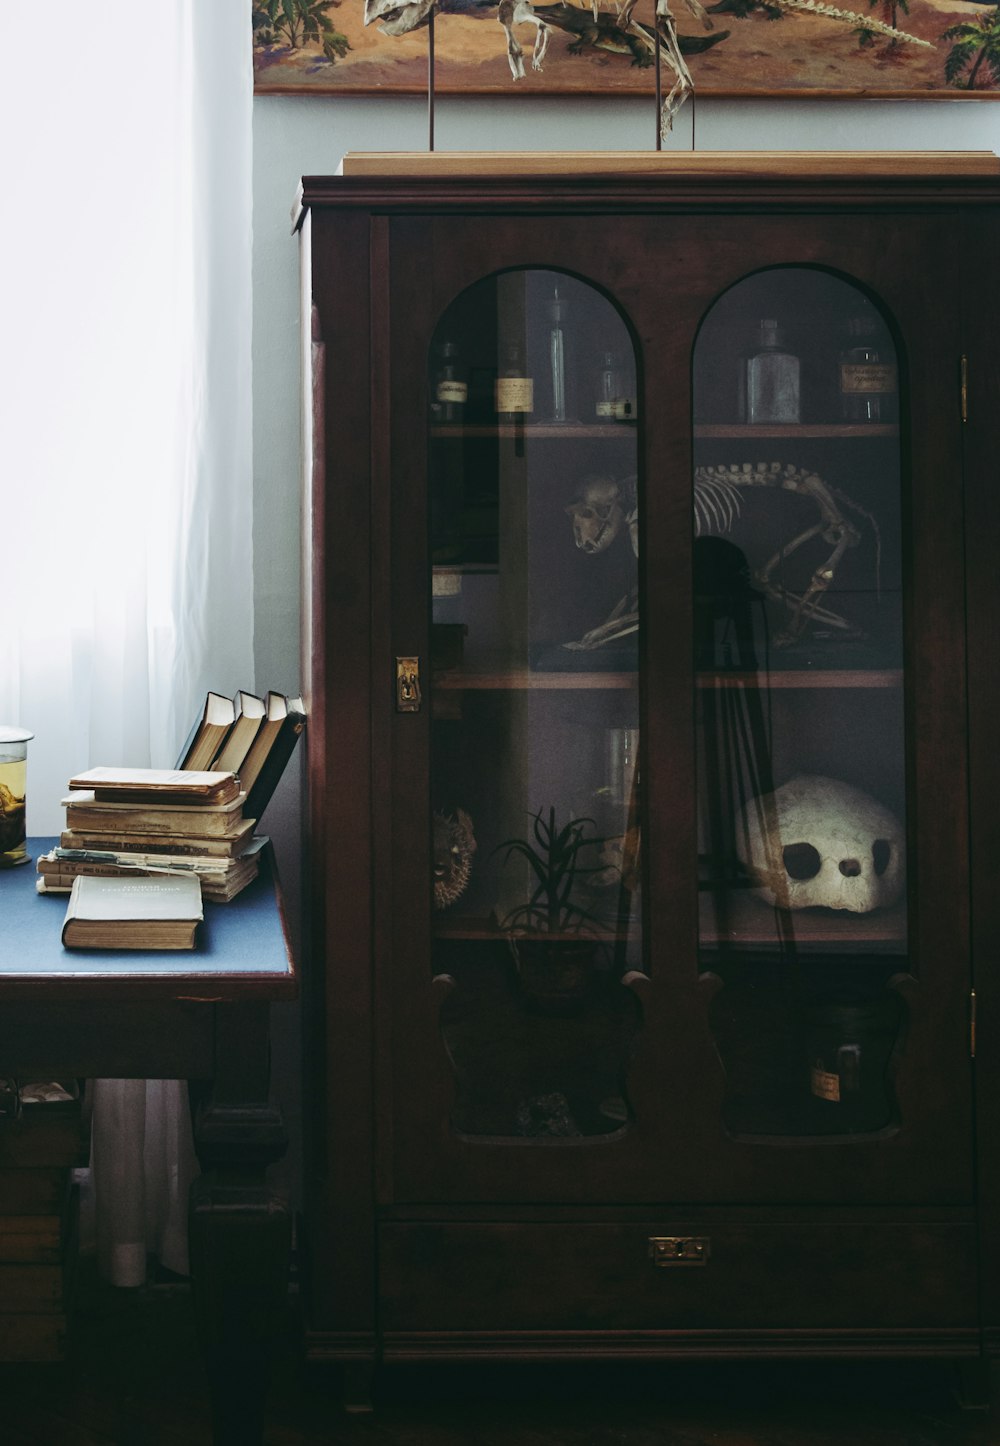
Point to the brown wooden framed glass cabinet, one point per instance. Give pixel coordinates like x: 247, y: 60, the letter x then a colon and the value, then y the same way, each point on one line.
x: 653, y: 789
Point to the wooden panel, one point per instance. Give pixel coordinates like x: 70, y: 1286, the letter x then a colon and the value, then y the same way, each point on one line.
x: 487, y: 1277
x: 92, y: 1039
x: 813, y: 165
x: 337, y: 988
x: 982, y: 466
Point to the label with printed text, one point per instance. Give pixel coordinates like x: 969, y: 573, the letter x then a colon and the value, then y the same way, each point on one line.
x: 867, y: 377
x: 451, y: 391
x: 515, y: 394
x: 824, y: 1085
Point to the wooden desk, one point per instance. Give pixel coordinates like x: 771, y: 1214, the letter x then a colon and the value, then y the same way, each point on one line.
x: 198, y: 1015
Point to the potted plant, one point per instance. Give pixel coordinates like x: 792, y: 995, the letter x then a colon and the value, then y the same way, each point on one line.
x: 555, y: 939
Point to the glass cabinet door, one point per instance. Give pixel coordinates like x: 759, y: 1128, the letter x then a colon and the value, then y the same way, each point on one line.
x: 677, y: 838
x: 799, y: 656
x: 534, y: 514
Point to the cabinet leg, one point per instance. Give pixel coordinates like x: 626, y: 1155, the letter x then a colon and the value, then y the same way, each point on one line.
x: 972, y: 1383
x: 358, y: 1386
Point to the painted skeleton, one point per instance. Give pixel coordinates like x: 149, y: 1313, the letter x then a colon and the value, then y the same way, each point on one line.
x: 605, y: 506
x: 613, y: 28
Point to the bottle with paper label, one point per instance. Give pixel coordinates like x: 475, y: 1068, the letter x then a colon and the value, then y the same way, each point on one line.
x: 515, y: 389
x: 867, y: 378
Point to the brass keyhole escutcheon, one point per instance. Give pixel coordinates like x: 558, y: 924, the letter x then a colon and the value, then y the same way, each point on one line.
x: 667, y: 1250
x: 408, y: 697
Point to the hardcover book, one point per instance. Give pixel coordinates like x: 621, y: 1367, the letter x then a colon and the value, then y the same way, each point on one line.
x: 208, y: 733
x: 230, y: 845
x: 249, y: 714
x: 158, y: 785
x: 84, y: 812
x: 221, y: 879
x: 117, y: 913
x: 271, y: 750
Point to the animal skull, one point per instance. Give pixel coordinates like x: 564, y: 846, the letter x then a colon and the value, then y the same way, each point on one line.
x: 597, y: 513
x: 817, y: 842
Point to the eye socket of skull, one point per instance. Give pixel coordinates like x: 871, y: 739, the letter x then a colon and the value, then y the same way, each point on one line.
x: 801, y: 861
x: 881, y: 856
x: 587, y: 513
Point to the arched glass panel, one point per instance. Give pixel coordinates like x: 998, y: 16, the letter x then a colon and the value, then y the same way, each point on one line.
x: 798, y: 579
x: 532, y: 448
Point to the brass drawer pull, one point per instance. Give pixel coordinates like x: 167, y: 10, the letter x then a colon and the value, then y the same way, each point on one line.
x: 679, y: 1249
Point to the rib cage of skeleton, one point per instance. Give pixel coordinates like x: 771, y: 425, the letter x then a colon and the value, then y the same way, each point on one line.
x: 605, y: 507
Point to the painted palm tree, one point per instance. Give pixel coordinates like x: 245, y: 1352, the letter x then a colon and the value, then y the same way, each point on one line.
x: 974, y: 59
x: 296, y: 22
x: 889, y: 12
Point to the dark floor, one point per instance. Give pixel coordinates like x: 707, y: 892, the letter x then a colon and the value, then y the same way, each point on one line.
x: 134, y: 1379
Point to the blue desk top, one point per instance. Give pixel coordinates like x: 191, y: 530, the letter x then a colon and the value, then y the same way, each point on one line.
x: 241, y: 949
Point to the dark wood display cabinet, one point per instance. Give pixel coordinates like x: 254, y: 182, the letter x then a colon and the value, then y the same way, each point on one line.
x: 653, y: 806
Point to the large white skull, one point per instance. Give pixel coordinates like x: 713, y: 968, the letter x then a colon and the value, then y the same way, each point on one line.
x: 817, y: 842
x: 597, y: 513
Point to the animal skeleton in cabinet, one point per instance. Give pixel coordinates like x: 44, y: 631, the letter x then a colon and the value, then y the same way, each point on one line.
x: 605, y: 507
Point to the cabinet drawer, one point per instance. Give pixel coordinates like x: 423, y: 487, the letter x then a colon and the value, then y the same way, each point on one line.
x: 452, y: 1276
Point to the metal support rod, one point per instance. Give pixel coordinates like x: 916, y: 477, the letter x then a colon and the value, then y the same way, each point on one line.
x: 430, y: 80
x: 659, y: 82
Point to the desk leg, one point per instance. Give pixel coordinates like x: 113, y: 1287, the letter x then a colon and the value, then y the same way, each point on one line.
x: 240, y: 1231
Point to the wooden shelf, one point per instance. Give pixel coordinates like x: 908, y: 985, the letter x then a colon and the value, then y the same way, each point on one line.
x: 753, y: 924
x: 515, y: 680
x: 561, y: 430
x: 834, y: 431
x: 460, y: 926
x: 805, y: 678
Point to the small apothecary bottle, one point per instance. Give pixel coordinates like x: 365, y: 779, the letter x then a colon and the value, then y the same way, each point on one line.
x: 773, y: 392
x: 449, y: 389
x: 515, y: 390
x: 615, y: 398
x: 867, y: 381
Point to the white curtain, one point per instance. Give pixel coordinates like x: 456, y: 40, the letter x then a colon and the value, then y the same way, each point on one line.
x: 126, y: 471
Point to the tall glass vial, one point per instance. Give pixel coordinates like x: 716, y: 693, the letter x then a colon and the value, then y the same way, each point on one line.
x: 773, y: 392
x: 557, y: 355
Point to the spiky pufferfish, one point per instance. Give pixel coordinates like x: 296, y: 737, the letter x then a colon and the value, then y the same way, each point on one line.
x: 454, y: 846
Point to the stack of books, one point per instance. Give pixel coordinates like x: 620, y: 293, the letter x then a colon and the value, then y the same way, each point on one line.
x: 196, y: 818
x: 43, y: 1136
x: 150, y: 821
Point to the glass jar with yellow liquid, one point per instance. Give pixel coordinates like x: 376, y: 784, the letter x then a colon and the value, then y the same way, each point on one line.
x: 13, y: 782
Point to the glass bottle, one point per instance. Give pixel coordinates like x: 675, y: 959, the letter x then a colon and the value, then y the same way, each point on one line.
x: 607, y: 387
x: 867, y: 384
x: 773, y: 393
x: 450, y: 390
x: 615, y: 397
x: 515, y: 390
